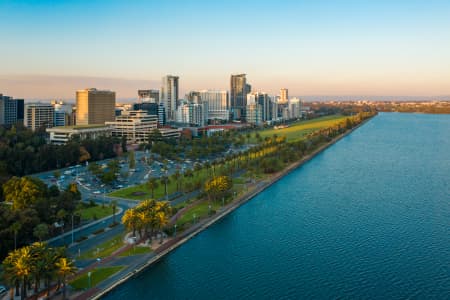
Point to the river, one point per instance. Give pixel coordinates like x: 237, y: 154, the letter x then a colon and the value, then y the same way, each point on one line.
x: 367, y: 218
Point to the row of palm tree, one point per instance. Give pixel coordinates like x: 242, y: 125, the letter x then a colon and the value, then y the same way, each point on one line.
x: 35, y: 264
x: 147, y: 218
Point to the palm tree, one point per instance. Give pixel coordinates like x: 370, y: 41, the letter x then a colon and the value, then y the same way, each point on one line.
x: 176, y: 177
x: 130, y: 220
x: 152, y: 184
x: 37, y: 252
x: 10, y: 273
x: 64, y: 268
x: 16, y: 228
x: 23, y: 268
x: 114, y: 208
x: 165, y: 180
x: 161, y: 221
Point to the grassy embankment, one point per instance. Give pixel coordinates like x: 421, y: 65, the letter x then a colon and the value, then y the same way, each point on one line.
x: 94, y: 212
x: 297, y: 131
x: 104, y: 249
x: 97, y: 275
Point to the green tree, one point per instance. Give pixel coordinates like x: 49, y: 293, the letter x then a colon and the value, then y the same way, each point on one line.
x: 41, y: 231
x: 131, y: 160
x: 23, y: 192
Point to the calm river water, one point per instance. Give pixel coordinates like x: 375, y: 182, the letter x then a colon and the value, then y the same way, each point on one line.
x: 367, y: 218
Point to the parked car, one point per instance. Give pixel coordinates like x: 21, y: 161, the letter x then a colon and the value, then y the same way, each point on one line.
x: 3, y: 290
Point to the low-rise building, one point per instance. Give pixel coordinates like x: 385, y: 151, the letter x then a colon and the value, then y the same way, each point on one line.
x: 134, y: 125
x: 62, y: 134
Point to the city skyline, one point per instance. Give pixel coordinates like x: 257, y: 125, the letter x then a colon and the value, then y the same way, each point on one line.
x: 328, y: 48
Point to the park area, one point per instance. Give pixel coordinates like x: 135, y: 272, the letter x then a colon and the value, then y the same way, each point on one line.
x: 299, y: 130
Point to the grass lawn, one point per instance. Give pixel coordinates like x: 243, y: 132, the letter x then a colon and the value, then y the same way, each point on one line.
x: 105, y: 249
x: 143, y: 192
x: 200, y: 210
x: 136, y: 251
x: 95, y: 212
x: 298, y: 130
x: 97, y: 276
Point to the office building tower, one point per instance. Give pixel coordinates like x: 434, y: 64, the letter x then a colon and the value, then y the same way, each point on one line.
x: 11, y: 110
x: 254, y: 114
x: 150, y: 107
x: 151, y: 96
x: 263, y: 100
x: 39, y: 115
x: 161, y: 114
x: 238, y: 96
x: 169, y: 95
x: 217, y: 104
x: 294, y: 108
x: 284, y: 97
x: 194, y: 97
x: 95, y: 106
x: 195, y: 114
x: 63, y: 113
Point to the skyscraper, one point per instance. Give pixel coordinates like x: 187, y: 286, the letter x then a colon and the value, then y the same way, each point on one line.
x: 95, y: 106
x: 148, y: 96
x: 217, y: 102
x: 11, y: 110
x: 169, y: 95
x: 38, y: 115
x: 238, y: 96
x: 284, y: 97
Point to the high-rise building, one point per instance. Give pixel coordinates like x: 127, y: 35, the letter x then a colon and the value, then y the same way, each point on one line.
x: 263, y: 100
x: 95, y: 106
x: 195, y: 114
x: 63, y: 113
x: 254, y: 114
x: 161, y: 115
x: 218, y: 105
x: 294, y: 108
x: 284, y: 96
x: 151, y: 96
x: 39, y: 115
x: 11, y: 110
x: 169, y: 95
x: 238, y: 96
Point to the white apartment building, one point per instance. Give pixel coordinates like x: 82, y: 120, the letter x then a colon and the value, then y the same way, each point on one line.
x: 218, y: 104
x: 38, y: 115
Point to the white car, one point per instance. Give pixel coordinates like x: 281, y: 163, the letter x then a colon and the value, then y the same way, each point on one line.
x: 96, y: 192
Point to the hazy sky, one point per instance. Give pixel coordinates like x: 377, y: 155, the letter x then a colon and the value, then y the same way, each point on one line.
x: 316, y: 47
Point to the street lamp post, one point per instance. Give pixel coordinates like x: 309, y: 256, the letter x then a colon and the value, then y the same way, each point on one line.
x: 89, y: 279
x: 72, y: 229
x: 174, y: 230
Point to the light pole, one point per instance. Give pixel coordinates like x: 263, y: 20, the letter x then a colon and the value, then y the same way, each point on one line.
x: 72, y: 228
x: 175, y: 230
x: 89, y: 279
x: 209, y: 210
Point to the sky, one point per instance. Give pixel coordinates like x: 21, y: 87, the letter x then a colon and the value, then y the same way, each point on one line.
x: 49, y: 49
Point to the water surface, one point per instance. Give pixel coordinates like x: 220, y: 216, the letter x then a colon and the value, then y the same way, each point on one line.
x: 367, y: 218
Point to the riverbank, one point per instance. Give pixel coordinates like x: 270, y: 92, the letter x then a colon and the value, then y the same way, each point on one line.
x: 253, y: 190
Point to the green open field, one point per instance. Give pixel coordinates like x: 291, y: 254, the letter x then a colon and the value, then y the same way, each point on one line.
x: 95, y: 212
x: 142, y: 192
x: 299, y: 130
x: 137, y: 250
x: 105, y: 249
x: 97, y: 276
x: 200, y: 210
